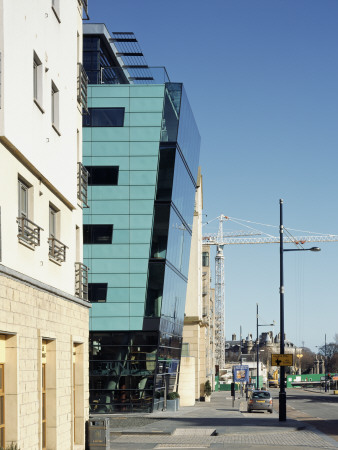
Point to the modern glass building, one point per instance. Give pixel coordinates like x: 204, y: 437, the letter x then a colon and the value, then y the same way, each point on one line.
x: 141, y: 149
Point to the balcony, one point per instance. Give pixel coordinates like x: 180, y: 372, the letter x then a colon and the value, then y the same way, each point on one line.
x: 82, y: 85
x: 82, y: 184
x: 57, y: 250
x: 29, y: 232
x: 81, y: 280
x: 84, y: 4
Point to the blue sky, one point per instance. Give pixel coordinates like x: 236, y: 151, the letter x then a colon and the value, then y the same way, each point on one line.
x: 262, y: 80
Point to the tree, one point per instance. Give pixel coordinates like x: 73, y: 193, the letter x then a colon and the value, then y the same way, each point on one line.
x: 307, y: 360
x: 331, y: 356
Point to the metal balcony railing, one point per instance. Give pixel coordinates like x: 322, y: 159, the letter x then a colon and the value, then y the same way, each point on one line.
x: 28, y: 231
x: 82, y: 86
x: 57, y: 250
x: 82, y: 184
x: 84, y: 4
x: 81, y: 280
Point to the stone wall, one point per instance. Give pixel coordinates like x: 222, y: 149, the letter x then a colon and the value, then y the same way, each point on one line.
x: 40, y: 327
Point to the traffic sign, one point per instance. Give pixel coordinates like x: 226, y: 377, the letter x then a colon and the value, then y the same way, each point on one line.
x: 282, y: 359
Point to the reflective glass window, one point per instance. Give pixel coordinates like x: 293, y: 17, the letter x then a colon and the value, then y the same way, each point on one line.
x: 103, y: 175
x: 97, y: 292
x: 104, y: 117
x: 205, y: 259
x: 155, y: 289
x: 97, y: 234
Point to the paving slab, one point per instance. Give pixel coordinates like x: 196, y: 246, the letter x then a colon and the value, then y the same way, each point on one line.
x: 232, y: 428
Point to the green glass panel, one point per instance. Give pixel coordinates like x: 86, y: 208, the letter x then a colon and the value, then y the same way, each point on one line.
x: 109, y: 102
x: 138, y: 222
x: 120, y: 221
x: 143, y: 177
x: 142, y: 192
x: 109, y: 149
x: 138, y: 279
x: 109, y: 266
x: 108, y: 193
x: 146, y: 104
x: 139, y: 265
x: 121, y: 161
x: 141, y: 206
x: 109, y: 323
x: 145, y: 119
x: 110, y: 134
x: 107, y: 251
x: 109, y: 207
x: 136, y: 323
x: 113, y: 280
x: 110, y: 309
x: 110, y: 91
x: 137, y: 309
x: 144, y: 134
x: 147, y: 91
x: 140, y: 236
x: 120, y: 295
x: 144, y: 148
x: 137, y: 295
x: 86, y: 134
x: 124, y: 178
x: 144, y: 163
x: 139, y: 251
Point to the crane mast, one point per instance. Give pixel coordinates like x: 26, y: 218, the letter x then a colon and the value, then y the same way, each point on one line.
x: 219, y: 299
x: 241, y: 237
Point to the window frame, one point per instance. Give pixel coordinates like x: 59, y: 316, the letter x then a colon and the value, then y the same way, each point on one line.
x: 89, y: 119
x: 91, y: 290
x: 37, y: 81
x: 92, y: 176
x: 23, y: 188
x: 55, y: 107
x: 89, y: 231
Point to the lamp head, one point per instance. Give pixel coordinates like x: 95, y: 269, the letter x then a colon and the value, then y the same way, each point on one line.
x: 315, y: 249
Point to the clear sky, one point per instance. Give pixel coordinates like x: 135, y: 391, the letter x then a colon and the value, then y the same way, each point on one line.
x: 262, y: 80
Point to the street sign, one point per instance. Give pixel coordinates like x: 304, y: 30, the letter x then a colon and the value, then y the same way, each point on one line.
x: 241, y: 373
x: 282, y: 359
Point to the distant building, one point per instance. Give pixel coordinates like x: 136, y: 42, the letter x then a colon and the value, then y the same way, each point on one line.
x: 247, y: 348
x: 44, y: 315
x: 141, y: 149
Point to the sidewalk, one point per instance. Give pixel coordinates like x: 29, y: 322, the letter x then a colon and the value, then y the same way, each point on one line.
x: 214, y: 425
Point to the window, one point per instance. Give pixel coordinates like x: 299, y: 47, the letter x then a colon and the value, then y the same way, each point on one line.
x: 104, y: 117
x: 37, y: 81
x: 97, y: 234
x: 103, y: 175
x: 55, y: 107
x: 52, y: 221
x: 97, y: 292
x: 205, y: 259
x: 23, y: 199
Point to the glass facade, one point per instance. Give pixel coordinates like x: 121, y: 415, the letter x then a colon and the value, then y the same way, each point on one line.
x: 138, y: 279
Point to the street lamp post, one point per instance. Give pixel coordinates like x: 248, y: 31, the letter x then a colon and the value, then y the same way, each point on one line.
x: 257, y: 346
x: 282, y: 393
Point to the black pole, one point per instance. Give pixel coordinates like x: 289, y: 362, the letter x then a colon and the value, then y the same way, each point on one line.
x: 325, y: 366
x: 257, y: 346
x: 282, y: 393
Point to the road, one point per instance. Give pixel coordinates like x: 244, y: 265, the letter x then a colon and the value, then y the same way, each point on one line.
x: 313, y: 407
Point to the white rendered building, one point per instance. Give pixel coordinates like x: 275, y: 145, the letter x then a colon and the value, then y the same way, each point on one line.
x: 43, y: 307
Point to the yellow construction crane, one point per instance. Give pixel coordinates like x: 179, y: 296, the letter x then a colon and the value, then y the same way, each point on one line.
x: 252, y: 236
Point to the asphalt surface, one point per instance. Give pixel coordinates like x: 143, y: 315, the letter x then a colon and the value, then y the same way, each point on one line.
x: 217, y: 425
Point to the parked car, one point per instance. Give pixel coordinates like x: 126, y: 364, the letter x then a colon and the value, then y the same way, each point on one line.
x: 260, y: 400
